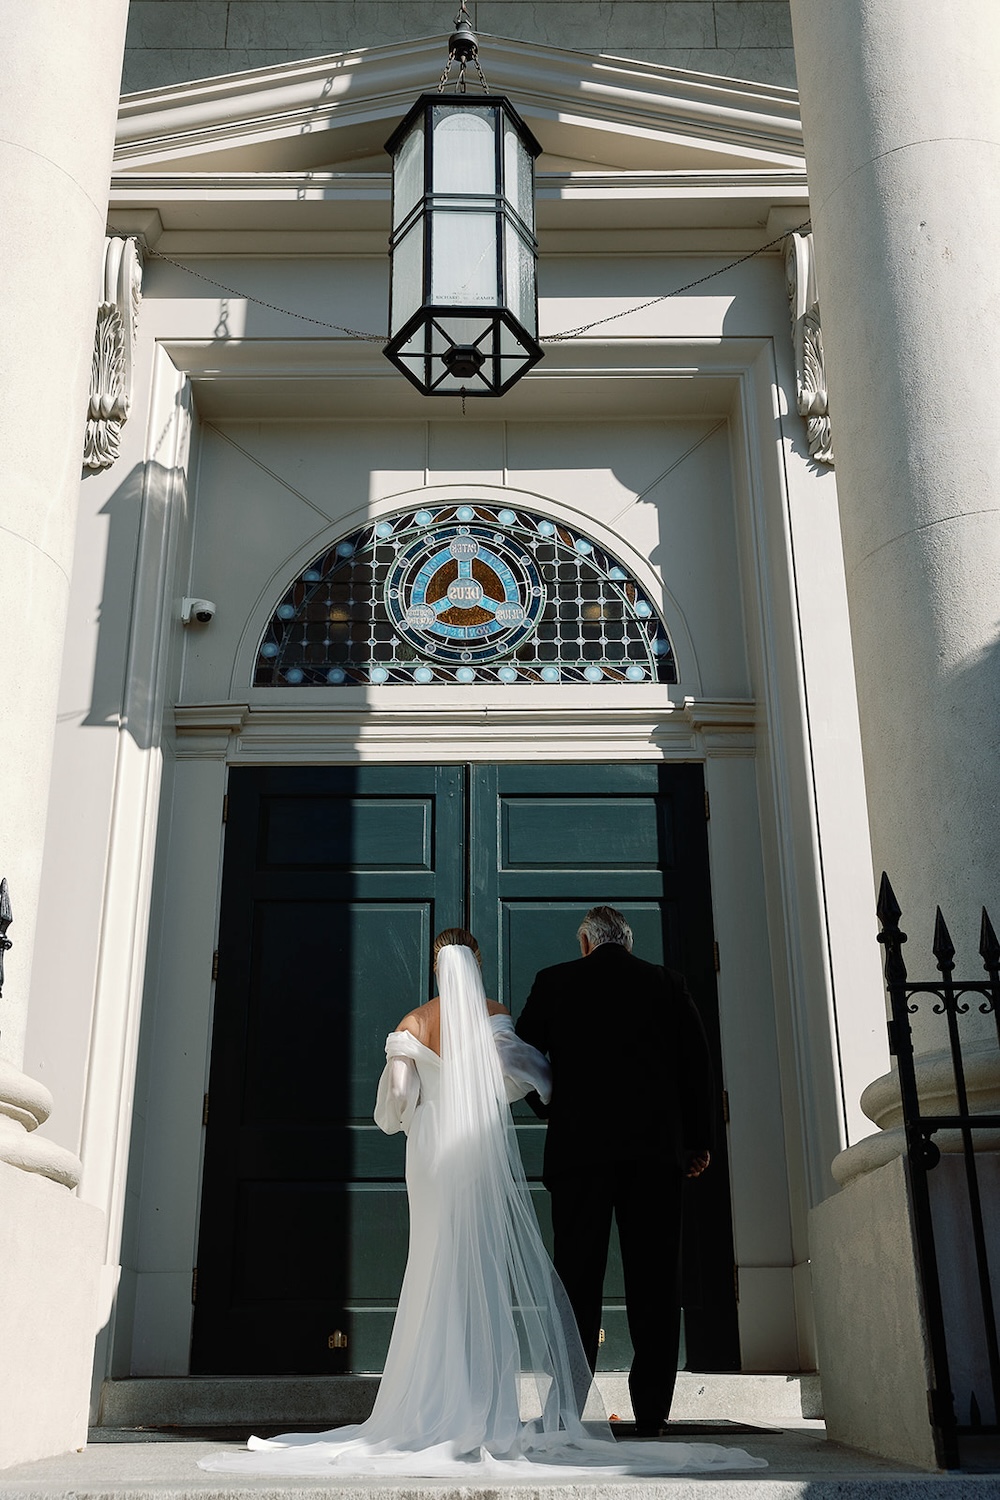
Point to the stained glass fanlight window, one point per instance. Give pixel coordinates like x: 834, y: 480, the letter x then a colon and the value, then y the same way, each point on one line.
x: 464, y: 593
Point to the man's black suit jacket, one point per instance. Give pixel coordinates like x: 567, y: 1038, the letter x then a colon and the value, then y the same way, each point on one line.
x: 623, y: 1033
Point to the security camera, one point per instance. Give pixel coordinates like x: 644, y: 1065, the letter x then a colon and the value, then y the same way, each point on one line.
x: 197, y: 611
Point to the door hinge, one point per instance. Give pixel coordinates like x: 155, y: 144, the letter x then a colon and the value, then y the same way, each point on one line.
x: 225, y: 806
x: 215, y: 965
x: 708, y: 807
x: 715, y: 957
x: 194, y: 1285
x: 725, y: 1105
x: 204, y: 1111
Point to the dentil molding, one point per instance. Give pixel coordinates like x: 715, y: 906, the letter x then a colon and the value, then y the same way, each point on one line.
x: 807, y: 337
x: 114, y: 344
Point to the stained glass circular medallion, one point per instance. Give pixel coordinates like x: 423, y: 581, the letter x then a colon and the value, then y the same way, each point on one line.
x: 464, y: 594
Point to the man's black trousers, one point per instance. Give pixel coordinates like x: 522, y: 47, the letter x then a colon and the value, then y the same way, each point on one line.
x: 646, y: 1201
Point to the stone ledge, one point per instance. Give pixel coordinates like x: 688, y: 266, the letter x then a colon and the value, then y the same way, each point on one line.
x: 207, y: 1401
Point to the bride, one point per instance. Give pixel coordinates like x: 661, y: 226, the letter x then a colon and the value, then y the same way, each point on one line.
x: 483, y: 1323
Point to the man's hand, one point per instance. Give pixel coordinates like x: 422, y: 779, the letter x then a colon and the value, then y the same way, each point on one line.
x: 697, y: 1163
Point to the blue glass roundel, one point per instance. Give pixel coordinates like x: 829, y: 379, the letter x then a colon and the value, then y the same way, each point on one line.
x: 464, y: 594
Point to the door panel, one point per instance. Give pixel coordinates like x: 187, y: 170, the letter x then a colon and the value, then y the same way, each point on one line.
x: 578, y: 833
x: 575, y: 836
x: 335, y: 882
x: 347, y: 833
x: 332, y: 891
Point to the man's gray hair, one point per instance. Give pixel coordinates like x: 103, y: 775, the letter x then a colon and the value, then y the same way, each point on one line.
x: 604, y: 924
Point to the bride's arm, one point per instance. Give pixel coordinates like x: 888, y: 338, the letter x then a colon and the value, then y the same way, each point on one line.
x: 398, y: 1094
x: 524, y: 1068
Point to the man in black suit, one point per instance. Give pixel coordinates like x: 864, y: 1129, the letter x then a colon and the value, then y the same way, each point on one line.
x: 611, y: 1023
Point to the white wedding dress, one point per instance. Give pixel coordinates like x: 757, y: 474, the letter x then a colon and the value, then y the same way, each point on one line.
x: 483, y: 1323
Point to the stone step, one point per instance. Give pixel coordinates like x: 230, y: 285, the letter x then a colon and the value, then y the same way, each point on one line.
x: 209, y: 1401
x: 803, y: 1465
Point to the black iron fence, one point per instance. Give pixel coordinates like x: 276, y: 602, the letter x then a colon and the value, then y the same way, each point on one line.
x: 955, y: 1191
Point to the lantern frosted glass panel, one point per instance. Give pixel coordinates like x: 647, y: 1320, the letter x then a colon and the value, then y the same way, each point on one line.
x: 458, y: 331
x: 464, y: 150
x: 463, y: 259
x: 407, y: 288
x: 518, y: 175
x: 519, y: 278
x: 408, y: 175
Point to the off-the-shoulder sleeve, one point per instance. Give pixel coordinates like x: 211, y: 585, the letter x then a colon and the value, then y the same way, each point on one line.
x: 524, y: 1068
x: 399, y: 1086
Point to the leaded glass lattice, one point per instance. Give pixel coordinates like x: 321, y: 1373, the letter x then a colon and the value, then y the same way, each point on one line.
x: 464, y: 594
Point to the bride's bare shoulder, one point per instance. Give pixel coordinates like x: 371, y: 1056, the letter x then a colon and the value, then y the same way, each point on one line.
x: 420, y: 1022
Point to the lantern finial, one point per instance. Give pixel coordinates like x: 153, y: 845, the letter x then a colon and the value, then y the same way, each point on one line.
x: 463, y: 47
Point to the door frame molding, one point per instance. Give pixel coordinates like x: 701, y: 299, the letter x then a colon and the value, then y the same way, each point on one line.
x: 778, y: 816
x: 245, y: 734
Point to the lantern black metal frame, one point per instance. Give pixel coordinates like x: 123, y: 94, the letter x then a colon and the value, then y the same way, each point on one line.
x: 435, y: 355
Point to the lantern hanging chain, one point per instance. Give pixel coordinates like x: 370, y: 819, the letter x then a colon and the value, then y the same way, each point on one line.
x: 380, y: 338
x: 482, y: 75
x: 444, y: 76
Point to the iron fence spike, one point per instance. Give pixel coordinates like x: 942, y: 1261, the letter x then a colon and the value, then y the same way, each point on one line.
x: 891, y: 938
x: 887, y: 907
x: 943, y: 948
x: 989, y: 946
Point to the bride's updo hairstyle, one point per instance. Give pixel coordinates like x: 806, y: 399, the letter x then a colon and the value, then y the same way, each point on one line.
x: 456, y: 937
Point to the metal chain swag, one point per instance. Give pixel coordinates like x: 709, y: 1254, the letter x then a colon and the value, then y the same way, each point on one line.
x: 550, y: 338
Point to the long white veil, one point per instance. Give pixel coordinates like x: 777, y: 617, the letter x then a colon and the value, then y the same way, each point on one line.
x: 508, y: 1313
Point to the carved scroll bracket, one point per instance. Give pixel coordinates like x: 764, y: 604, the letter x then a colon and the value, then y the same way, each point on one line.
x: 807, y: 337
x: 114, y: 346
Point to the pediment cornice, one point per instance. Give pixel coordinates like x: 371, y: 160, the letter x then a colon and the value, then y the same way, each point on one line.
x: 604, y: 113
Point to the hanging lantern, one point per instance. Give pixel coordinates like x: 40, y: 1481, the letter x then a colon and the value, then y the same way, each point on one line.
x: 463, y: 314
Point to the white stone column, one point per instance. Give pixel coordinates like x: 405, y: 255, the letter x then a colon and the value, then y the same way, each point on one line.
x: 901, y: 114
x: 58, y: 105
x: 57, y: 117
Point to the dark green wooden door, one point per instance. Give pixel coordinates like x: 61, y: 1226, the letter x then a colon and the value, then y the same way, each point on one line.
x: 550, y: 841
x: 334, y: 883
